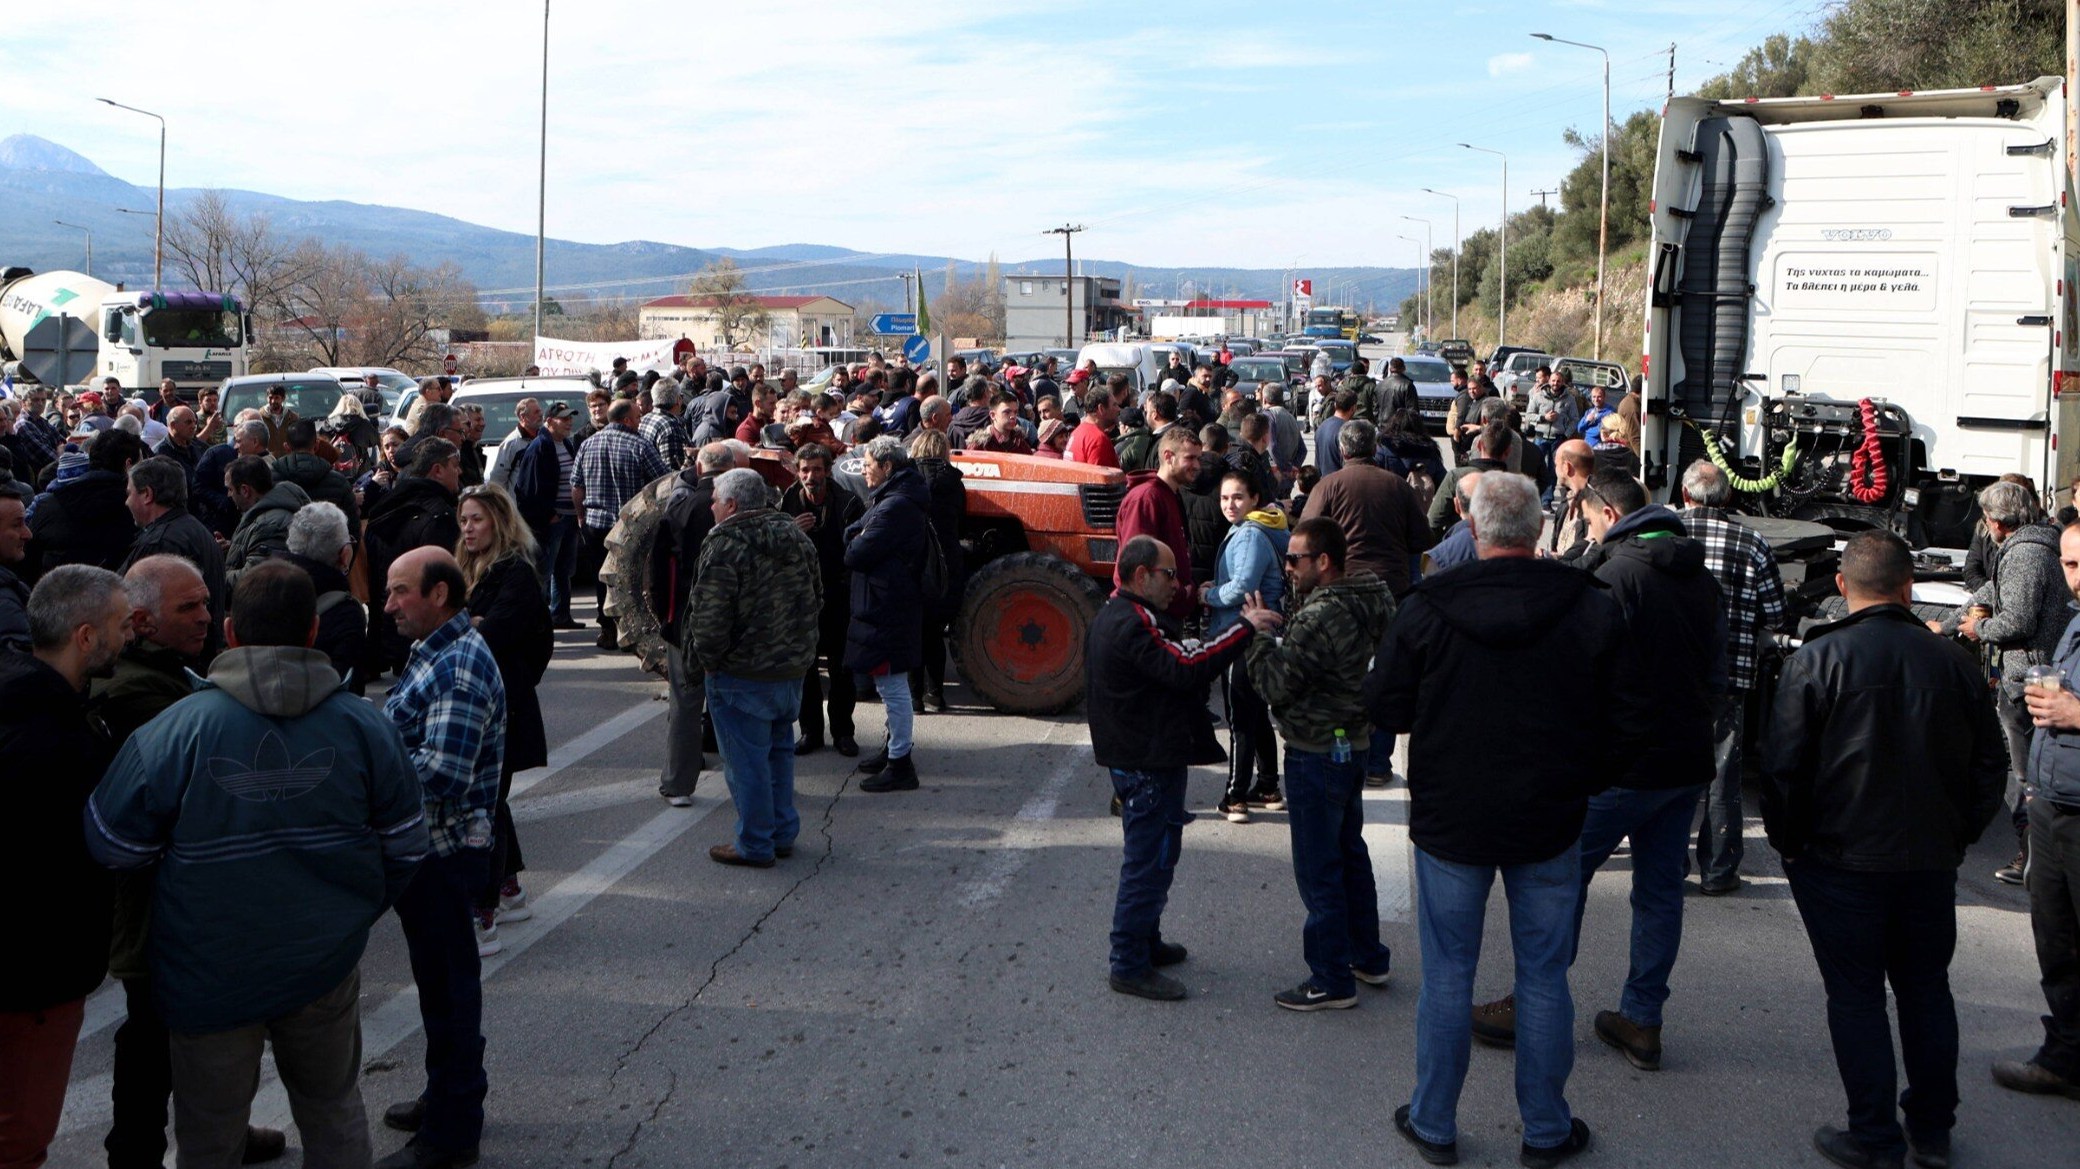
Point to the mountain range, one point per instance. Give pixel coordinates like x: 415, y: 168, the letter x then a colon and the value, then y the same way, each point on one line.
x: 42, y: 182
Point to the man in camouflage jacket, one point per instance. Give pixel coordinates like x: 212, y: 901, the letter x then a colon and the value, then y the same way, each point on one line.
x: 1314, y: 679
x: 751, y: 626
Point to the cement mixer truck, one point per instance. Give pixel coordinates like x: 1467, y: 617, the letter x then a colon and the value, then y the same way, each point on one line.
x: 65, y: 328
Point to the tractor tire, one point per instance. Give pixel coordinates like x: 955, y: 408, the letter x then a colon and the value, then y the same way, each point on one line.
x: 1021, y: 632
x: 627, y: 574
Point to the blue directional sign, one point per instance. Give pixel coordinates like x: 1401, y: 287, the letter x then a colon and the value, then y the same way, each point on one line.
x: 895, y: 324
x: 917, y: 349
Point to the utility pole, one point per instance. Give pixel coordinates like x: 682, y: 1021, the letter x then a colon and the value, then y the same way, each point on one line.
x: 541, y: 196
x: 1502, y: 256
x: 1672, y: 54
x: 1542, y: 194
x: 1068, y: 234
x: 1455, y: 254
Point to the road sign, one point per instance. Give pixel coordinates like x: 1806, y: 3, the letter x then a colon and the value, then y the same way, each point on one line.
x: 917, y: 349
x: 1303, y: 288
x: 448, y: 364
x: 60, y: 350
x: 895, y: 324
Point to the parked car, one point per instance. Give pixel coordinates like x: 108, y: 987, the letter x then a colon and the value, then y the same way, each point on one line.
x: 309, y: 395
x: 1515, y: 374
x: 500, y: 399
x: 1433, y: 379
x: 393, y: 384
x: 1254, y: 373
x: 1341, y: 354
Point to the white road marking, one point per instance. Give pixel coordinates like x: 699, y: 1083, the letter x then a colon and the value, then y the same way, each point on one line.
x: 1027, y: 831
x: 1386, y: 838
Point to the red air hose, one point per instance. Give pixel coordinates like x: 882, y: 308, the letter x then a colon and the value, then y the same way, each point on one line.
x: 1868, y: 474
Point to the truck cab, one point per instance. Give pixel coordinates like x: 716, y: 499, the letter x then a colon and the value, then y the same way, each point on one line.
x: 196, y: 338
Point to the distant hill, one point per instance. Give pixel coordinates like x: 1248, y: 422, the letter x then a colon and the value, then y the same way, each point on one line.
x: 42, y: 181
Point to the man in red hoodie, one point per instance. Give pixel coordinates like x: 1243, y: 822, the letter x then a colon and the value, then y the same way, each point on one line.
x: 1154, y: 506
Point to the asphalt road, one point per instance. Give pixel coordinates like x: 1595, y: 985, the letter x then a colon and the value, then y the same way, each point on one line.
x: 924, y: 983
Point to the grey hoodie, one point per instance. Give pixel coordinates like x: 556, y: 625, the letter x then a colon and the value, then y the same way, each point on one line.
x: 2027, y: 591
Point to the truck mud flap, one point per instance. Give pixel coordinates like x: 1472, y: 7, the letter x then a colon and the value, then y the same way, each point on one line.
x: 1715, y: 292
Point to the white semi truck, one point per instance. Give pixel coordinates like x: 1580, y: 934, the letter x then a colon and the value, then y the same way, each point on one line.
x: 65, y: 328
x: 1864, y: 306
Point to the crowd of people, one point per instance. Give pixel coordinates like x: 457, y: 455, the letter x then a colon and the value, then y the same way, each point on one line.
x: 190, y: 621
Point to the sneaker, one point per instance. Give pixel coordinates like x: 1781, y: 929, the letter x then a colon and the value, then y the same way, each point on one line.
x: 1720, y: 888
x: 685, y: 801
x: 1839, y: 1147
x: 1149, y: 985
x: 808, y: 745
x: 1431, y: 1151
x: 487, y: 933
x: 1380, y: 778
x: 1164, y: 953
x: 1929, y: 1152
x: 1641, y: 1045
x: 1377, y: 977
x: 1309, y: 997
x: 847, y: 746
x: 1270, y: 801
x: 512, y: 902
x: 2012, y: 872
x: 1495, y: 1024
x: 1536, y: 1157
x: 1236, y: 813
x: 2027, y: 1075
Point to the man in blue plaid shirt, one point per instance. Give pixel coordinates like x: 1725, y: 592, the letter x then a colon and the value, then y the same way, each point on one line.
x: 613, y: 465
x: 1753, y: 594
x: 450, y: 705
x: 664, y: 427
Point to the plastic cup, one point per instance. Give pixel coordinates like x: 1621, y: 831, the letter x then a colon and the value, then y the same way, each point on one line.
x: 2043, y: 678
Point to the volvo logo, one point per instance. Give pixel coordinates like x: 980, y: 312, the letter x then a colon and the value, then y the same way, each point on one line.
x: 1855, y: 233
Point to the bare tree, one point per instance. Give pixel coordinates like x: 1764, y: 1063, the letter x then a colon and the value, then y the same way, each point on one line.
x: 738, y: 314
x: 219, y: 250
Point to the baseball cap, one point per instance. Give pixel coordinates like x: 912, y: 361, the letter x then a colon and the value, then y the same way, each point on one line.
x: 560, y: 410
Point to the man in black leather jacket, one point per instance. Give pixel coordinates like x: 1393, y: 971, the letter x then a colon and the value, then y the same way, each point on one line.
x: 1885, y: 763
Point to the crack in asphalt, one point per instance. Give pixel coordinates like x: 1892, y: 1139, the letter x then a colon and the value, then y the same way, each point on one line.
x: 622, y: 1061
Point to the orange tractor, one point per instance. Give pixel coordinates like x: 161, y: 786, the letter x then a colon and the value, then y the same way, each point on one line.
x: 1039, y: 544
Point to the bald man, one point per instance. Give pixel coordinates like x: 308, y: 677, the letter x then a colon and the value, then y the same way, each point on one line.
x: 450, y: 706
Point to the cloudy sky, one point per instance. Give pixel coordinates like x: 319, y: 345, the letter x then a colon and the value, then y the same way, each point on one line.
x: 1180, y: 134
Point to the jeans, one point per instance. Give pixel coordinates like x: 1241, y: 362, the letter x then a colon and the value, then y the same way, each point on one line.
x: 559, y: 541
x: 1451, y: 906
x: 36, y: 1049
x: 754, y: 726
x: 1545, y: 476
x: 894, y: 690
x: 1658, y: 823
x: 2017, y: 727
x: 1379, y: 753
x: 1325, y: 806
x: 1720, y: 840
x: 1253, y: 757
x: 2054, y: 914
x: 1868, y: 929
x: 442, y: 941
x: 683, y: 758
x: 1152, y: 820
x: 143, y: 1082
x: 317, y: 1053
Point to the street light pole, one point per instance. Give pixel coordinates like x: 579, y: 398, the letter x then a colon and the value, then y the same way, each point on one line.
x: 1455, y: 254
x: 1603, y: 202
x: 90, y: 241
x: 1502, y: 301
x: 1422, y: 275
x: 159, y: 232
x: 1068, y: 234
x: 541, y: 203
x: 1429, y: 238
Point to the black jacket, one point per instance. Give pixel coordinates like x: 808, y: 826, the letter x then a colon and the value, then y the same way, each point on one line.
x: 342, y: 622
x: 513, y: 619
x: 885, y: 554
x: 1884, y: 753
x: 1486, y: 793
x: 839, y: 510
x: 688, y: 514
x: 55, y: 752
x: 1145, y: 687
x: 209, y: 501
x: 320, y: 482
x: 1204, y: 525
x: 81, y: 521
x: 1656, y: 573
x: 949, y: 490
x: 417, y: 513
x: 178, y: 533
x: 14, y: 611
x: 538, y: 478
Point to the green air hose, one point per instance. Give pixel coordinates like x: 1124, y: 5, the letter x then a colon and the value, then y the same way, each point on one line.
x: 1749, y: 486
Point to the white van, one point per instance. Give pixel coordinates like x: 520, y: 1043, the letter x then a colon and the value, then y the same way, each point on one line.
x: 1142, y: 363
x: 499, y: 397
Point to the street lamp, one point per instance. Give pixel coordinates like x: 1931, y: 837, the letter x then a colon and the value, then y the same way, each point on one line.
x: 1423, y: 274
x: 1603, y: 203
x: 1455, y: 254
x: 90, y: 241
x: 1502, y: 302
x: 1429, y: 317
x: 158, y: 232
x: 541, y: 197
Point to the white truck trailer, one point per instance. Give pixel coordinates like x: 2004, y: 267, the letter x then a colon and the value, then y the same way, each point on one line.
x: 65, y: 328
x: 1864, y: 306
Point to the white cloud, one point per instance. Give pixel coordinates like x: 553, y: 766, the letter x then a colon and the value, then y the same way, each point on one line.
x: 1502, y: 63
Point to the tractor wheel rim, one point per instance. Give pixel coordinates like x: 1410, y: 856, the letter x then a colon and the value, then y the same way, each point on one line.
x: 1032, y: 636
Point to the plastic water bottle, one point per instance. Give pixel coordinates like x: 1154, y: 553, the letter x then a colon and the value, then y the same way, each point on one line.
x: 1340, y: 750
x: 478, y: 834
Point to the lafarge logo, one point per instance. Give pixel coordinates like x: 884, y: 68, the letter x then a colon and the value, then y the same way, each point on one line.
x: 1855, y: 233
